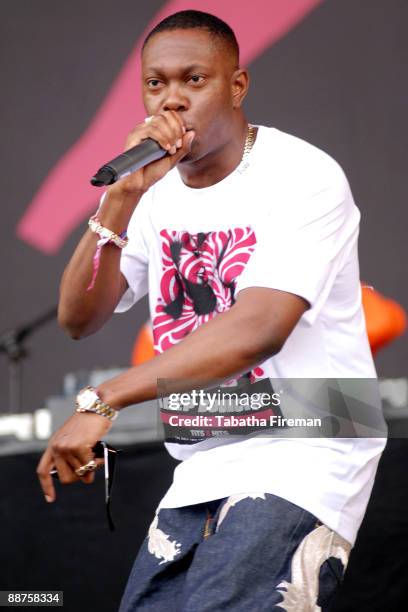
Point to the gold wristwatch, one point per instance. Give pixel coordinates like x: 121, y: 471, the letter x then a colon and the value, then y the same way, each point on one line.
x: 88, y: 400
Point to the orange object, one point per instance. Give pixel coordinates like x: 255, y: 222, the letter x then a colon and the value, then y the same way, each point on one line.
x: 143, y: 347
x: 385, y: 318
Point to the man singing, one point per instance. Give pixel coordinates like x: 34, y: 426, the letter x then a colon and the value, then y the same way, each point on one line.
x: 245, y: 239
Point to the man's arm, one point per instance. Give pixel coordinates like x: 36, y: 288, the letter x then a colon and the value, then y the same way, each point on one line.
x: 82, y: 312
x: 232, y: 343
x: 255, y: 328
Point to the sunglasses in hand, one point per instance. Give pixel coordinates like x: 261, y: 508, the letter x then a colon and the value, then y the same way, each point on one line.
x: 102, y: 450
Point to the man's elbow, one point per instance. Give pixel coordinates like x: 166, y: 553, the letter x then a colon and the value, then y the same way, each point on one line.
x: 74, y: 327
x: 73, y: 331
x: 267, y: 317
x: 260, y: 337
x: 262, y: 347
x: 258, y: 342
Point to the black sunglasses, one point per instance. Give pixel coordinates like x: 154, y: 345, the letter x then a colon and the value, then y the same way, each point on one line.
x: 103, y: 450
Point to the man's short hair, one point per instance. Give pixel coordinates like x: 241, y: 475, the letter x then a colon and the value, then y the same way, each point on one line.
x: 187, y: 20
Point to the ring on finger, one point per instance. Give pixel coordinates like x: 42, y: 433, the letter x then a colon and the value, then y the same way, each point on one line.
x: 88, y: 467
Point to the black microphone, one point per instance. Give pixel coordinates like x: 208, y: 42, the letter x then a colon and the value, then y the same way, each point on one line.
x: 137, y: 157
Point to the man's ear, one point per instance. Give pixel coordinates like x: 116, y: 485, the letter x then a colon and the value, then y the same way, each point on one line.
x: 240, y: 84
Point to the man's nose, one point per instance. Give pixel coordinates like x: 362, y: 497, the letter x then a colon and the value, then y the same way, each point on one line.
x: 175, y: 100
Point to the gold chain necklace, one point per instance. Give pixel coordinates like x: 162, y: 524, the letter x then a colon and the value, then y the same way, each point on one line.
x: 249, y: 142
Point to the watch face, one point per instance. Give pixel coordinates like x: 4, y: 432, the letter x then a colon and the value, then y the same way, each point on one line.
x: 86, y: 399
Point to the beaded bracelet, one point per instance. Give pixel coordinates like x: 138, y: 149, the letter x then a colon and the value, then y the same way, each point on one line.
x: 105, y: 235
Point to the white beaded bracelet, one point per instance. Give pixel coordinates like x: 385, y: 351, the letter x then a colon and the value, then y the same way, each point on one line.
x: 105, y: 234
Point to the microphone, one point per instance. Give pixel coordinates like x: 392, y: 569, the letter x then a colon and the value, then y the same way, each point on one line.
x: 137, y: 157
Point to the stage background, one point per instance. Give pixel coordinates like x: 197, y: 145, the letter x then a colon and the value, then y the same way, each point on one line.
x: 337, y: 78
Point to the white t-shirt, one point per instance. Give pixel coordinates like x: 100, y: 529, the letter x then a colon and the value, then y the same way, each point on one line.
x: 284, y: 219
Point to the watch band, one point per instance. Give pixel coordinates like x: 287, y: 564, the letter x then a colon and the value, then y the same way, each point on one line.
x: 99, y: 407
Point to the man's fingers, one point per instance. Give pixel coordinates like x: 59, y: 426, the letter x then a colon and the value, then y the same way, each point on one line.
x: 43, y: 472
x: 81, y: 458
x: 69, y: 458
x: 175, y: 124
x: 167, y: 129
x: 70, y: 448
x: 90, y: 476
x: 76, y: 458
x: 65, y: 469
x: 175, y: 156
x: 163, y: 136
x: 186, y: 143
x: 175, y: 119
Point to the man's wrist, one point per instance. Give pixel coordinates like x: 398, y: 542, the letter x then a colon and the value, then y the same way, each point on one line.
x: 120, y: 200
x: 117, y: 210
x: 89, y: 400
x: 109, y: 397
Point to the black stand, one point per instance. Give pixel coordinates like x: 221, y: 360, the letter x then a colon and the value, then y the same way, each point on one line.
x: 11, y: 343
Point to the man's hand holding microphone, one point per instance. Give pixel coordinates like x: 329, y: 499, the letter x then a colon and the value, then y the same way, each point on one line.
x: 168, y: 130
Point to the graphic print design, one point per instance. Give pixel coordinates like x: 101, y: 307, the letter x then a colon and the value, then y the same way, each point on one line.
x: 198, y: 281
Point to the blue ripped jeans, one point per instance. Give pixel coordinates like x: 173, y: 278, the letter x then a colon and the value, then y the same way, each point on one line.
x: 251, y: 552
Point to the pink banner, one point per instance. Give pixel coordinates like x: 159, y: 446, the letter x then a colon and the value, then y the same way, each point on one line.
x: 66, y: 197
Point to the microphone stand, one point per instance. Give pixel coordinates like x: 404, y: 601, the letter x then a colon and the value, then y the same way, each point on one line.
x: 11, y: 343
